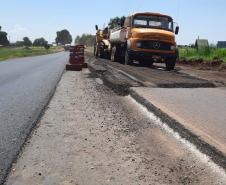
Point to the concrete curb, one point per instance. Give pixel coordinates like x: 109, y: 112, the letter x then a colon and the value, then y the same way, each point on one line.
x: 215, y: 155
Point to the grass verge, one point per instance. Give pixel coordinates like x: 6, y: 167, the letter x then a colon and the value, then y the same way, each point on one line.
x: 8, y: 53
x: 206, y: 54
x: 89, y: 49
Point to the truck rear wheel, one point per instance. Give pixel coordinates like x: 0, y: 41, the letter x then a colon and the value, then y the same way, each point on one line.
x: 101, y: 53
x: 128, y: 59
x: 97, y: 52
x: 94, y: 51
x: 114, y: 54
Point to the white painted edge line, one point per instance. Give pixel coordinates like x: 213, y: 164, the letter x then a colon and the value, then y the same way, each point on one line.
x: 191, y: 147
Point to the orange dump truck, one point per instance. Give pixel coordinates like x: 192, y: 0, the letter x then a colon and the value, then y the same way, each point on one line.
x: 144, y: 37
x: 102, y: 43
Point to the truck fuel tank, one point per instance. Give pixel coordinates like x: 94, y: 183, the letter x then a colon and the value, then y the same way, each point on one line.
x: 118, y: 35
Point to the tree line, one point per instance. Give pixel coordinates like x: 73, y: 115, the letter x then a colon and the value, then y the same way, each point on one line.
x: 62, y: 37
x: 85, y: 39
x: 3, y: 38
x: 41, y: 42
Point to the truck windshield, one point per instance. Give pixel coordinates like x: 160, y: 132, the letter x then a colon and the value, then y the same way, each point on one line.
x: 158, y: 22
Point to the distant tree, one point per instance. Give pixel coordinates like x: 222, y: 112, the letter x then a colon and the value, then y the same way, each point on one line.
x: 47, y: 46
x: 3, y: 38
x: 85, y: 39
x: 40, y: 42
x: 19, y: 43
x: 77, y: 39
x: 63, y: 37
x: 27, y: 42
x: 114, y: 22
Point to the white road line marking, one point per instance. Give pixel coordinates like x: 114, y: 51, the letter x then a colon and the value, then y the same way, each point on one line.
x: 202, y: 157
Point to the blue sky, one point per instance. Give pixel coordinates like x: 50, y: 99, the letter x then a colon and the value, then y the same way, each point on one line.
x: 42, y: 18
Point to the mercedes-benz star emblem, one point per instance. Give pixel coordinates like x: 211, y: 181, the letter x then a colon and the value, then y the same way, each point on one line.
x: 156, y: 45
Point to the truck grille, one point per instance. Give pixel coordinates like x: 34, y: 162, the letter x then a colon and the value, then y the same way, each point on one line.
x: 155, y: 45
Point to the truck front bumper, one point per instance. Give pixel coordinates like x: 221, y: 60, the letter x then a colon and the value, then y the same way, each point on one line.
x: 151, y: 56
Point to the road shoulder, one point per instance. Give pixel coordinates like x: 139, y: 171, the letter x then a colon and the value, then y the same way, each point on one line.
x: 202, y: 125
x: 90, y: 136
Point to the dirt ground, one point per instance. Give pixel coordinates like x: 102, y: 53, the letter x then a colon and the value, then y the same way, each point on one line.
x: 91, y: 136
x: 213, y: 75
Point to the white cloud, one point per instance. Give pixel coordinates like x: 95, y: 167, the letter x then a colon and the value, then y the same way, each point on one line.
x: 18, y: 32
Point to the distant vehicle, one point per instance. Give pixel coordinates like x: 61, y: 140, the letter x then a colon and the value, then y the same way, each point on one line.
x: 67, y: 47
x: 144, y: 37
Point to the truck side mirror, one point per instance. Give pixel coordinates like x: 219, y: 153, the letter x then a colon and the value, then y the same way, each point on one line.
x: 96, y: 27
x: 177, y: 30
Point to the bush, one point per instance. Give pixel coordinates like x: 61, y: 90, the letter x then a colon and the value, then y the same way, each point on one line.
x: 40, y: 42
x: 85, y: 39
x: 47, y: 46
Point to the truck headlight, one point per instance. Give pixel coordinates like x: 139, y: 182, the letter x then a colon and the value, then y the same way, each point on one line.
x: 139, y: 44
x: 173, y: 48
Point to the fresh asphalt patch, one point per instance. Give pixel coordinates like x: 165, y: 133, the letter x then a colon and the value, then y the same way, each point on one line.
x: 119, y: 83
x: 148, y: 76
x: 26, y: 87
x: 121, y: 80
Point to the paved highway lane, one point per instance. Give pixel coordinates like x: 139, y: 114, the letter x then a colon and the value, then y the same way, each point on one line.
x: 26, y: 85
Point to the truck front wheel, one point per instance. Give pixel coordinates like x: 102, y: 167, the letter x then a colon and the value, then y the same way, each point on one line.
x: 170, y: 65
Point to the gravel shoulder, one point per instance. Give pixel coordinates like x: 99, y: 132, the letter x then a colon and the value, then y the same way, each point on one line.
x: 90, y: 135
x: 192, y: 105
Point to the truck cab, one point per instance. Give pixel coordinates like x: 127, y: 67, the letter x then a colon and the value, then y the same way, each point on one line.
x: 147, y: 38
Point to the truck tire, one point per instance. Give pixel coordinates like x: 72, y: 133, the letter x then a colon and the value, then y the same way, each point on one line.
x: 114, y: 54
x: 101, y: 53
x: 170, y: 65
x: 127, y: 59
x: 94, y: 51
x: 107, y: 55
x: 145, y: 63
x: 97, y: 52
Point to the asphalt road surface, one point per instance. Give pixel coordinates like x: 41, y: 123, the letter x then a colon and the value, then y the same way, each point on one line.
x: 26, y: 85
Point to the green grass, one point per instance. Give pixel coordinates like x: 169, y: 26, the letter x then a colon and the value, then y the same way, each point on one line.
x: 205, y: 54
x: 89, y: 49
x: 8, y: 53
